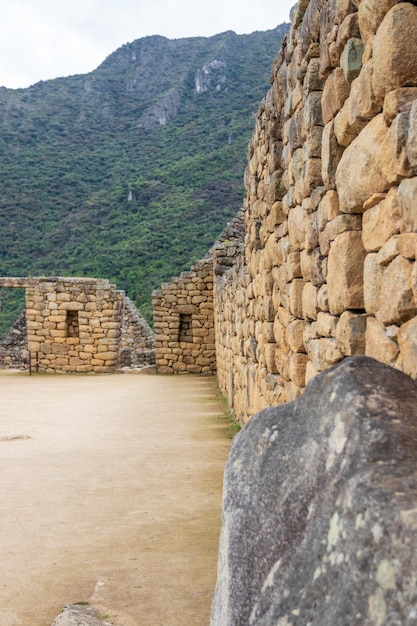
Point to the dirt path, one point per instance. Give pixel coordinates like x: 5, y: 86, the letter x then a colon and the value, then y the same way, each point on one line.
x: 110, y: 493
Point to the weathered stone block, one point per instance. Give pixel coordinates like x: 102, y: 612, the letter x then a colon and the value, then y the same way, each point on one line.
x: 309, y: 302
x: 326, y: 324
x: 297, y: 369
x: 345, y: 273
x: 335, y: 92
x: 381, y: 222
x: 362, y: 162
x: 350, y: 333
x: 398, y: 304
x: 296, y: 297
x: 372, y: 282
x: 379, y: 345
x: 407, y: 339
x: 294, y: 336
x: 331, y: 155
x: 351, y: 58
x: 395, y: 62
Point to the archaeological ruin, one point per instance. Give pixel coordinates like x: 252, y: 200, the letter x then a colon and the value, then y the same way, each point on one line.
x: 326, y: 268
x: 75, y: 325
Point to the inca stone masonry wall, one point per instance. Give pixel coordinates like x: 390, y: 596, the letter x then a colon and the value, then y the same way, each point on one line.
x: 73, y: 324
x: 328, y: 269
x: 183, y: 312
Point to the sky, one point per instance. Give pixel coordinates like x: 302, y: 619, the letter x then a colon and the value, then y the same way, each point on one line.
x: 43, y: 39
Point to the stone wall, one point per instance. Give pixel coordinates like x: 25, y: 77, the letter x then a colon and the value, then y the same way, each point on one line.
x: 14, y: 346
x: 73, y: 324
x: 137, y: 344
x: 184, y: 322
x: 183, y: 308
x: 328, y: 269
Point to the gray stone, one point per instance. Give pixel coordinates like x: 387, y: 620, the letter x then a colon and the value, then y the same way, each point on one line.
x: 320, y: 506
x: 79, y: 615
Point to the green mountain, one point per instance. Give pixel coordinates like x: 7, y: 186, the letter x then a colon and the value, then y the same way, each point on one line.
x: 131, y: 171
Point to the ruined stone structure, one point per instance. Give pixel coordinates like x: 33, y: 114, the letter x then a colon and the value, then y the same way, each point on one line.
x: 137, y: 344
x: 183, y: 309
x: 328, y: 269
x: 184, y: 323
x: 76, y: 325
x: 73, y: 324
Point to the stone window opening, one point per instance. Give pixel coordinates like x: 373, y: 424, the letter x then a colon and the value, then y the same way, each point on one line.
x: 186, y: 328
x: 73, y: 326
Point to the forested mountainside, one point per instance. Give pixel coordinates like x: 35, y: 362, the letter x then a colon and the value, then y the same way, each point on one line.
x: 131, y: 171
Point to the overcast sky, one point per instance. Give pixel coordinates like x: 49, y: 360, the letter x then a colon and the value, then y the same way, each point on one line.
x: 42, y: 39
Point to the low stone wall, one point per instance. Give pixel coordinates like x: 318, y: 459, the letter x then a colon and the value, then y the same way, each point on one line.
x: 184, y: 322
x: 14, y: 346
x: 137, y: 343
x: 72, y: 324
x: 329, y: 265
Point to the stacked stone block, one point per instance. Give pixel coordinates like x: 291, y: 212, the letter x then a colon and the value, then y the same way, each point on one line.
x: 137, y: 344
x: 73, y: 324
x: 329, y: 268
x: 184, y: 322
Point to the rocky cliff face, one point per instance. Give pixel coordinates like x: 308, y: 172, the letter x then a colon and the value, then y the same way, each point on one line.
x: 329, y: 268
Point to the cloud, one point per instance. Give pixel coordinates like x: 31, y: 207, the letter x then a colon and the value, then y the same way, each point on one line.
x: 45, y: 39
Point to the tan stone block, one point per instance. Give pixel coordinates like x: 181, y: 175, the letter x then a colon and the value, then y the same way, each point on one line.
x: 99, y: 369
x: 407, y: 193
x: 58, y: 333
x: 279, y: 332
x: 407, y: 339
x: 311, y: 372
x: 345, y: 273
x: 296, y: 297
x: 297, y: 369
x: 335, y: 92
x: 270, y: 352
x: 347, y: 127
x: 326, y: 324
x: 379, y: 345
x: 398, y: 304
x: 36, y: 346
x: 381, y: 222
x: 337, y: 226
x: 372, y: 281
x: 75, y: 361
x: 316, y: 350
x: 323, y: 298
x: 297, y: 227
x: 362, y: 162
x: 404, y: 245
x: 370, y: 15
x: 309, y: 302
x: 294, y: 336
x: 350, y: 333
x: 331, y: 154
x: 395, y: 164
x: 398, y: 101
x: 395, y: 62
x: 59, y: 348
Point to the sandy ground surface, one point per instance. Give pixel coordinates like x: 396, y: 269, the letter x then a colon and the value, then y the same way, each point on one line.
x: 110, y: 493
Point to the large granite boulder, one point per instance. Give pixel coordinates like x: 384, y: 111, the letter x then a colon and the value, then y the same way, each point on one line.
x: 320, y: 506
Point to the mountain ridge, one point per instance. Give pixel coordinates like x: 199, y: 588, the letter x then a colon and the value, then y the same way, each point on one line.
x: 130, y: 171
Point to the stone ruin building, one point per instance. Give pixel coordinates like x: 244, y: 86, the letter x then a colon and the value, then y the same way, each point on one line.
x: 326, y: 268
x: 75, y: 325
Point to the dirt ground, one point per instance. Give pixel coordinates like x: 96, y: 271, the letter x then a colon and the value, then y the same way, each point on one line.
x: 110, y: 493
